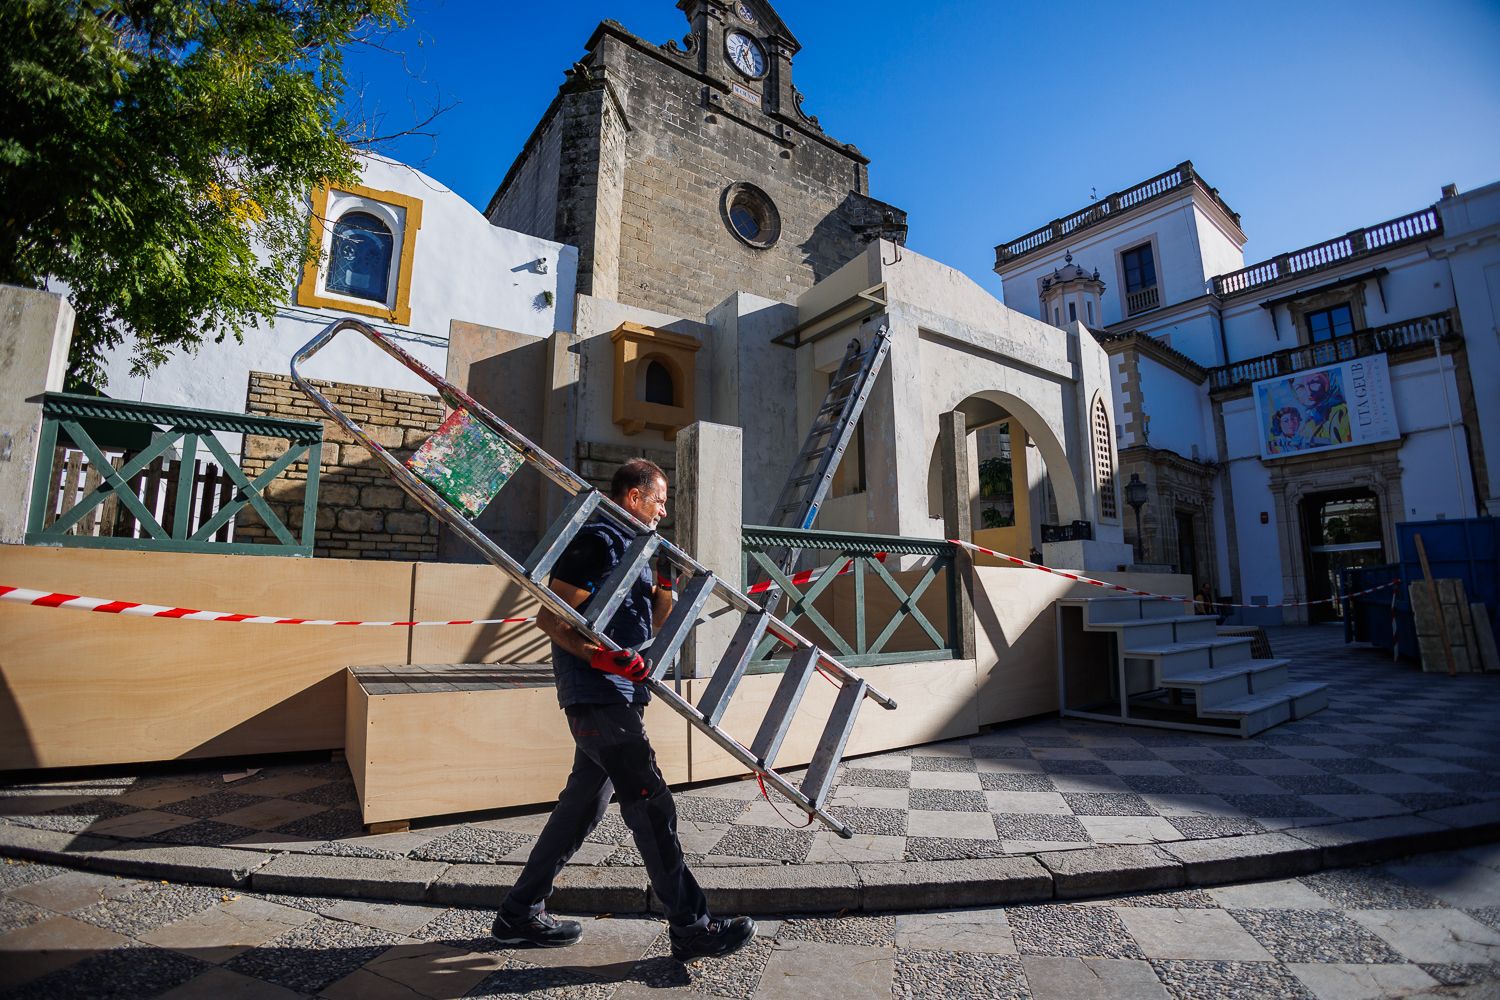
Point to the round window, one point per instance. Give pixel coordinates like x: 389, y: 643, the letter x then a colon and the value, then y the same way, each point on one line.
x: 751, y: 215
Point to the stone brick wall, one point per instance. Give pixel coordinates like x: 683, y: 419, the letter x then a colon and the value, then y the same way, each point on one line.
x: 597, y: 463
x: 648, y: 148
x: 362, y: 514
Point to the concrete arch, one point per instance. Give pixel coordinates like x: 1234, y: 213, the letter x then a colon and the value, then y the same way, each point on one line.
x: 1054, y: 455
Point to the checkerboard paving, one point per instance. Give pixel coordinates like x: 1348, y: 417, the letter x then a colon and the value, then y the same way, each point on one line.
x: 1393, y: 741
x: 1426, y: 926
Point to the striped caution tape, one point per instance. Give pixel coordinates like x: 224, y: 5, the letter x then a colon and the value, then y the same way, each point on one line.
x: 808, y: 576
x: 74, y: 602
x: 1079, y: 578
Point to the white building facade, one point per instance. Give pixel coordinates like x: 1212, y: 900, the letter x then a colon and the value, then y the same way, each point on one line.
x: 1286, y: 415
x: 400, y: 251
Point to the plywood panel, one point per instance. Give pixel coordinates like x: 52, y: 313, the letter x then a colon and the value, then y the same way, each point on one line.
x: 438, y: 753
x: 82, y: 688
x: 445, y: 591
x: 935, y: 702
x: 356, y: 726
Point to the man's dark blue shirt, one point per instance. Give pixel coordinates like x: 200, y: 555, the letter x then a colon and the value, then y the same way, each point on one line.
x: 586, y: 563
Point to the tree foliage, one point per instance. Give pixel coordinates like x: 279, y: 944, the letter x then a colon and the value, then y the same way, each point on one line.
x: 155, y: 157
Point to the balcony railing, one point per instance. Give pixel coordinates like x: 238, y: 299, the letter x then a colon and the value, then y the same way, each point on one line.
x: 1106, y: 208
x: 1361, y: 343
x: 1413, y: 228
x: 1143, y: 300
x: 841, y: 610
x: 106, y: 478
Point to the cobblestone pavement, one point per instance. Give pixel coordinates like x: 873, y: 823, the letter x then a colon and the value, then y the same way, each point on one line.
x: 1392, y: 742
x: 1427, y: 925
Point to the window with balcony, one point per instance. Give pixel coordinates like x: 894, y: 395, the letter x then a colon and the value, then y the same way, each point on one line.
x: 1325, y: 324
x: 1141, y: 293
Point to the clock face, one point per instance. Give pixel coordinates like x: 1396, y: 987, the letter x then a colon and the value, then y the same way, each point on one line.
x: 745, y: 53
x: 744, y: 12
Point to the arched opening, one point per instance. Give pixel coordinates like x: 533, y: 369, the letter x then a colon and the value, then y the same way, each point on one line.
x: 659, y: 386
x: 1104, y: 460
x: 359, y: 258
x: 1019, y: 476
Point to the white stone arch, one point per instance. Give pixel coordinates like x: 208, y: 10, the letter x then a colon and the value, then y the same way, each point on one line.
x: 1054, y: 455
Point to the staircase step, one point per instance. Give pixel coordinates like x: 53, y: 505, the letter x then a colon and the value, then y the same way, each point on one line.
x: 1254, y: 712
x: 1269, y: 676
x: 1188, y: 656
x: 1113, y: 609
x: 1173, y: 658
x: 1212, y: 687
x: 1307, y: 697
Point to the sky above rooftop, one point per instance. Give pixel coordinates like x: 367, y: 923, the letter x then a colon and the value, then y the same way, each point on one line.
x: 986, y: 120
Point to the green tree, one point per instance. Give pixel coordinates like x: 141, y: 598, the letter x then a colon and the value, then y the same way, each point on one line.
x: 155, y: 157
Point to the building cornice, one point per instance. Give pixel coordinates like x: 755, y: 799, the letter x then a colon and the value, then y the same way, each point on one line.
x: 1145, y: 344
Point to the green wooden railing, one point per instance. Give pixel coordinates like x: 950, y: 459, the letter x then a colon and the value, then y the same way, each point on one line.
x: 867, y: 576
x: 99, y: 455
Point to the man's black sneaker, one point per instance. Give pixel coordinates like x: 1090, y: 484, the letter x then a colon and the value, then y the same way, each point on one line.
x: 539, y: 931
x: 719, y: 938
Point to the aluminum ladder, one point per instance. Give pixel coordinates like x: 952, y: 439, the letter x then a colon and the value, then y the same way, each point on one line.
x: 828, y: 438
x: 696, y: 587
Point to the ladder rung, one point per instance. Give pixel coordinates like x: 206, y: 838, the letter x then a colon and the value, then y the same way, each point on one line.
x: 732, y: 667
x: 825, y: 761
x: 613, y: 591
x: 561, y: 532
x: 778, y: 718
x: 679, y: 624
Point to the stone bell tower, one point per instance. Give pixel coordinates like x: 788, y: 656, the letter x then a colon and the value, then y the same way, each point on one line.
x: 687, y: 171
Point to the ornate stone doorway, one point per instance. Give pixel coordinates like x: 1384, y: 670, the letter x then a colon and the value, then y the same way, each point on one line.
x: 1304, y: 483
x: 1341, y: 530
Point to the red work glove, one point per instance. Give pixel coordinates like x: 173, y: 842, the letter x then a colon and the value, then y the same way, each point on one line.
x: 625, y: 662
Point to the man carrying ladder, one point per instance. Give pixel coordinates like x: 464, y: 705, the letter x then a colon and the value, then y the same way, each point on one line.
x: 604, y: 696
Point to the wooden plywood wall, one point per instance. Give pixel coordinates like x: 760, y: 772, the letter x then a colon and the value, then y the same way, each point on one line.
x: 80, y: 688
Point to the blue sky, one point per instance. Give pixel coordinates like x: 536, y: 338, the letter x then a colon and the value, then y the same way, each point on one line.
x: 985, y: 120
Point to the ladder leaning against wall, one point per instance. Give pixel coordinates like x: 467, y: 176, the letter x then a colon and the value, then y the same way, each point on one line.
x: 828, y: 438
x: 462, y: 467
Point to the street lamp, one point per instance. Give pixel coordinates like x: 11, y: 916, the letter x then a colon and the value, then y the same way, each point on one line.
x: 1135, y: 495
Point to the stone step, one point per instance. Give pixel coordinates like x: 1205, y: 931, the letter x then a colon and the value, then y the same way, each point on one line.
x: 1211, y: 687
x: 1307, y: 697
x: 1186, y: 657
x: 1270, y: 676
x: 1114, y: 609
x: 1254, y: 712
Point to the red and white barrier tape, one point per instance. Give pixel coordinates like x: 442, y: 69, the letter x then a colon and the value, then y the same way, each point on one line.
x: 808, y: 575
x: 1079, y: 578
x: 43, y: 599
x: 75, y: 602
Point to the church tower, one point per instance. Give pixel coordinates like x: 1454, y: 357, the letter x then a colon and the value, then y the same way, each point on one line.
x: 687, y: 171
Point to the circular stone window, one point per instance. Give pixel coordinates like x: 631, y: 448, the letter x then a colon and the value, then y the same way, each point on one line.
x: 751, y: 215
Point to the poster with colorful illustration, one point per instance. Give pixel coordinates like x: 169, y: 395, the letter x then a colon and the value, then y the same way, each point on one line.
x: 1332, y: 406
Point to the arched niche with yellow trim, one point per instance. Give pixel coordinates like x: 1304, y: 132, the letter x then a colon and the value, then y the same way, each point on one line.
x: 646, y: 360
x: 399, y: 215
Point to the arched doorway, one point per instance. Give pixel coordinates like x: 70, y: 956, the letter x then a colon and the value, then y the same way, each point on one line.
x: 1019, y: 475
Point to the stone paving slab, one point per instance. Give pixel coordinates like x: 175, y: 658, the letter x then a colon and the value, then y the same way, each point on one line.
x: 1373, y: 931
x: 1039, y: 810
